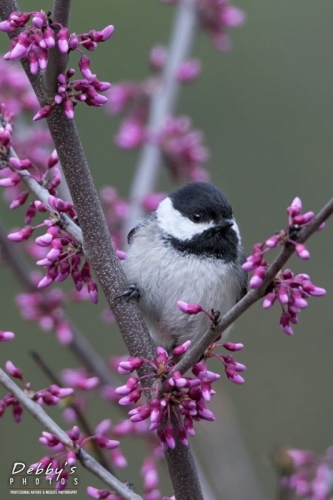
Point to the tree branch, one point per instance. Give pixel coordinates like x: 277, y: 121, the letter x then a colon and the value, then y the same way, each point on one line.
x: 43, y: 195
x: 162, y: 105
x: 195, y: 351
x: 86, y: 460
x: 57, y: 61
x: 104, y: 460
x: 99, y: 251
x: 79, y: 345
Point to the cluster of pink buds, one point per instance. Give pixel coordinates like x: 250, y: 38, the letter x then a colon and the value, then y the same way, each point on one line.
x: 171, y: 391
x: 56, y: 471
x: 59, y: 472
x: 16, y: 90
x: 305, y: 474
x: 17, y: 408
x: 182, y: 149
x: 104, y: 437
x: 216, y: 17
x: 80, y: 379
x: 10, y: 175
x: 50, y: 180
x: 288, y: 236
x: 59, y: 252
x: 290, y: 291
x: 231, y: 367
x: 46, y: 309
x: 63, y: 254
x: 58, y: 468
x: 6, y: 127
x: 33, y: 143
x: 52, y: 395
x: 34, y: 42
x: 63, y: 259
x: 82, y: 90
x: 49, y: 396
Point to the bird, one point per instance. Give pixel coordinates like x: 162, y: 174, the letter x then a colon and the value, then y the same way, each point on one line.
x: 189, y: 249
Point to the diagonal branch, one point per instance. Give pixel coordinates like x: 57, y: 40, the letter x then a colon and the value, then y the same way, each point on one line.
x: 86, y: 460
x: 104, y: 460
x: 194, y: 353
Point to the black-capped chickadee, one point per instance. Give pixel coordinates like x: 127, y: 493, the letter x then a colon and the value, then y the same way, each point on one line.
x: 188, y: 250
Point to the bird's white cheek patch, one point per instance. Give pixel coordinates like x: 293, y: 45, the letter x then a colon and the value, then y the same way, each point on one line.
x: 174, y: 223
x: 236, y: 229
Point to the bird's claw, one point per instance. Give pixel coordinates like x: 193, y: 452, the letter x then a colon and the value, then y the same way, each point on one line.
x: 215, y: 316
x: 131, y: 292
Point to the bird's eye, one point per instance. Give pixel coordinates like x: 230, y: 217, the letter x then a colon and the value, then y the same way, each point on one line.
x: 196, y: 218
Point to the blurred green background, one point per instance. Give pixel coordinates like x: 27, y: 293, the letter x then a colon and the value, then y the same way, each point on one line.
x: 266, y: 109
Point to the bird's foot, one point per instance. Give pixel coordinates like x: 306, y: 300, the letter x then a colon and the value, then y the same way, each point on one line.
x: 131, y: 292
x: 215, y: 316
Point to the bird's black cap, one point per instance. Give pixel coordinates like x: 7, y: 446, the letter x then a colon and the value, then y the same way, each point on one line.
x: 203, y: 199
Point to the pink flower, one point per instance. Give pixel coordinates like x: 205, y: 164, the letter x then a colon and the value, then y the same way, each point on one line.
x: 13, y: 370
x: 84, y: 65
x: 23, y: 234
x: 130, y: 135
x: 189, y: 71
x: 182, y: 149
x: 79, y: 379
x: 5, y: 336
x: 157, y: 57
x: 216, y: 17
x: 19, y: 200
x: 43, y: 113
x: 189, y: 308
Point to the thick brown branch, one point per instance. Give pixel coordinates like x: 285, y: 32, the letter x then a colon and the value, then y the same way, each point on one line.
x: 57, y: 61
x: 100, y: 252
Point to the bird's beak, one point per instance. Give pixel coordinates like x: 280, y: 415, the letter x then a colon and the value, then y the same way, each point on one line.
x: 224, y: 224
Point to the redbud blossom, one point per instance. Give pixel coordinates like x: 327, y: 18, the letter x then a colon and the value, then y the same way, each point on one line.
x: 5, y: 336
x: 189, y: 308
x: 189, y: 71
x: 13, y: 370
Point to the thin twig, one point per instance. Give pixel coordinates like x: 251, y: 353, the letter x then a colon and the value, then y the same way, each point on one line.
x: 162, y: 106
x: 86, y: 460
x: 105, y: 461
x: 195, y: 351
x: 43, y: 195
